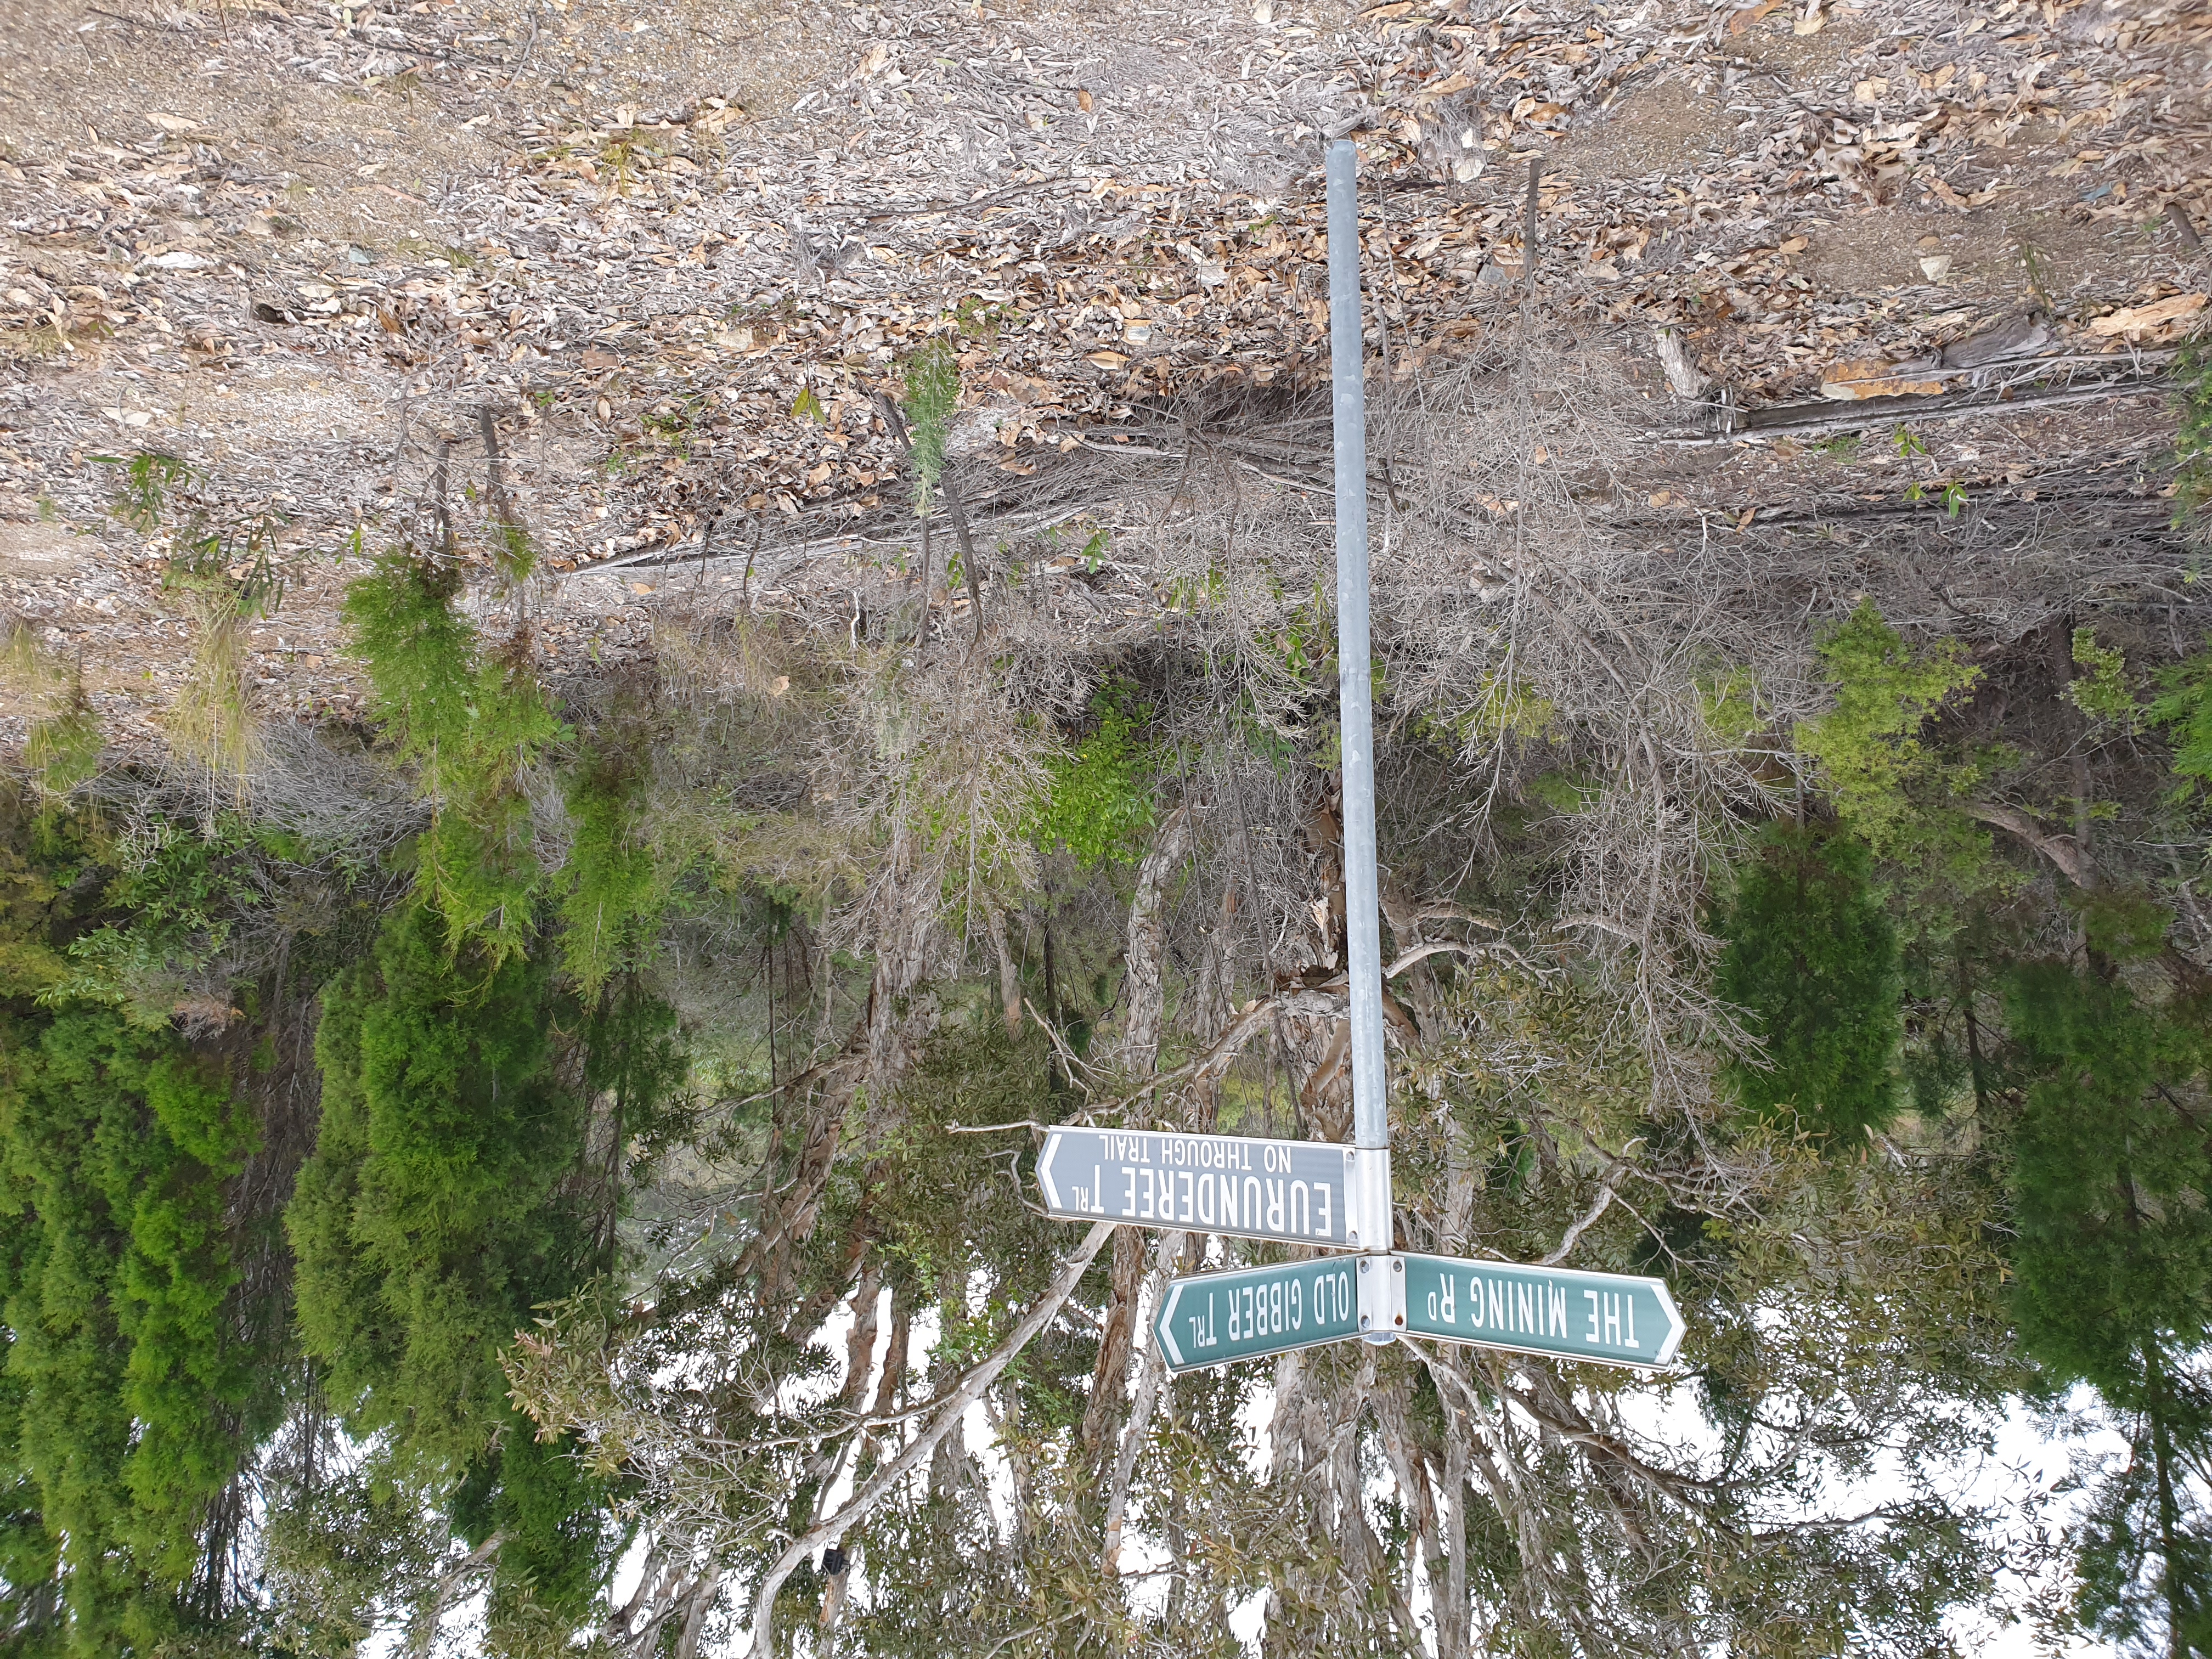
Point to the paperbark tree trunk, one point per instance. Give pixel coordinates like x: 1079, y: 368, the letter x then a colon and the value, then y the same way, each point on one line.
x: 1109, y: 1376
x: 1141, y: 1413
x: 1144, y: 989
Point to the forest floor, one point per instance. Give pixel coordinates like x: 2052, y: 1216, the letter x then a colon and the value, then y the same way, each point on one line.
x: 640, y: 273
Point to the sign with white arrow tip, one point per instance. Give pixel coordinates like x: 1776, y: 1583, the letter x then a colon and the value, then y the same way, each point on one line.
x: 1259, y: 1310
x: 1613, y: 1319
x: 1300, y: 1192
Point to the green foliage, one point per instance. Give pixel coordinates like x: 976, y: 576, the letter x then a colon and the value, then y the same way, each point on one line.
x: 2183, y: 707
x: 1562, y: 792
x: 439, y: 1207
x: 2142, y: 1545
x: 2114, y: 1251
x: 1900, y: 798
x: 472, y: 724
x: 1812, y: 957
x: 1193, y: 595
x: 932, y: 392
x: 126, y: 1373
x: 222, y: 565
x: 2100, y: 690
x: 142, y: 494
x: 176, y: 897
x: 614, y: 888
x: 2114, y: 1262
x: 2119, y: 923
x: 2192, y: 372
x: 1867, y: 747
x: 638, y: 1061
x: 63, y: 746
x: 1951, y: 495
x: 553, y: 1510
x: 1729, y: 701
x: 424, y: 670
x: 1502, y: 709
x: 1100, y: 803
x: 428, y: 1222
x: 345, y: 1549
x: 43, y: 864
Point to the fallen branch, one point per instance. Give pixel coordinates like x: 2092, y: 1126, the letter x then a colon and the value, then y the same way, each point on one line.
x: 2063, y: 851
x: 1808, y: 419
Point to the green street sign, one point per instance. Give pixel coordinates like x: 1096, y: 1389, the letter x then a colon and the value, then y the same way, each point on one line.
x: 1610, y: 1318
x: 1258, y: 1310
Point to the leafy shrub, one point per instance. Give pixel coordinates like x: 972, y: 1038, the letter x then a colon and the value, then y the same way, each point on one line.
x: 472, y: 724
x: 2100, y: 690
x: 1099, y: 805
x: 1812, y: 957
x: 615, y: 890
x: 425, y: 1226
x: 2183, y: 707
x: 439, y: 1209
x: 1901, y: 798
x: 126, y: 1372
x: 1867, y: 747
x: 177, y: 894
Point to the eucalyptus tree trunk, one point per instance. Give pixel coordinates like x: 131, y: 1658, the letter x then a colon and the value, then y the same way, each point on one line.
x: 1144, y: 999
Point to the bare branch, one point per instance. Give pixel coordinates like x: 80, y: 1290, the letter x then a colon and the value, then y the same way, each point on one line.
x: 888, y: 1479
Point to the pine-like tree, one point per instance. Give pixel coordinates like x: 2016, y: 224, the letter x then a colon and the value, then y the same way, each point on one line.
x: 122, y: 1415
x: 440, y: 1208
x: 1812, y: 957
x: 2113, y: 1257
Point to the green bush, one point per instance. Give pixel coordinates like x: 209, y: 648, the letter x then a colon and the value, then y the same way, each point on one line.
x: 1867, y: 747
x: 473, y: 725
x: 1100, y: 804
x: 614, y: 891
x: 1812, y: 956
x: 429, y: 1221
x: 2183, y: 707
x: 440, y: 1206
x: 177, y: 894
x: 127, y: 1376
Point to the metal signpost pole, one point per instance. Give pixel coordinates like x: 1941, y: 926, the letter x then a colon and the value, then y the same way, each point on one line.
x: 1381, y: 1311
x: 1320, y: 1195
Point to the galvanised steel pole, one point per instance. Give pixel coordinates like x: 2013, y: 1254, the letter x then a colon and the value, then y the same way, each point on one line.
x: 1381, y: 1314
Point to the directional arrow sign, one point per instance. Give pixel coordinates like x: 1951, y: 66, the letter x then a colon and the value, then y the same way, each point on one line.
x: 1259, y: 1310
x: 1607, y: 1317
x: 1299, y: 1191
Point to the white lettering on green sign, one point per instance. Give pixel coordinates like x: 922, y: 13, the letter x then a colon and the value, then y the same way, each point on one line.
x: 1614, y: 1317
x: 1233, y: 1315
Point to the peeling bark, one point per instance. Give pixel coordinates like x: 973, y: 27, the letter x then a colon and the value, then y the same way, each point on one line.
x: 1141, y: 1414
x: 1010, y: 980
x: 1109, y: 1376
